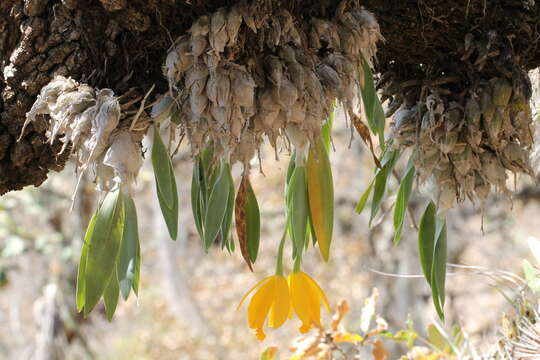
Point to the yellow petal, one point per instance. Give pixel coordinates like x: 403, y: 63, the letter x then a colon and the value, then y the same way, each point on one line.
x: 281, y: 305
x: 314, y: 300
x: 320, y: 291
x: 250, y: 291
x: 300, y: 300
x: 260, y: 304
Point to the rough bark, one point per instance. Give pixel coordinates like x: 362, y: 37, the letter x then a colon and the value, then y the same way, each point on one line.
x: 121, y: 44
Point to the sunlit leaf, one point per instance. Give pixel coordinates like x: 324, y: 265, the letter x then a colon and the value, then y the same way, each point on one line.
x: 297, y: 207
x: 110, y: 296
x: 321, y: 196
x: 81, y: 274
x: 165, y: 184
x: 438, y: 340
x: 103, y: 248
x: 137, y: 271
x: 127, y: 260
x: 326, y: 130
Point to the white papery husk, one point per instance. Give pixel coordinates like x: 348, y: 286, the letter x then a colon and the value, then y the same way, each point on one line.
x: 89, y: 120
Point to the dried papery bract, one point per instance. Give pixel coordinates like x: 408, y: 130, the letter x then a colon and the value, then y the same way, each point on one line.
x: 251, y: 72
x: 89, y: 120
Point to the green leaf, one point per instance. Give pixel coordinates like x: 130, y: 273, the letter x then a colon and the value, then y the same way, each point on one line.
x: 432, y: 243
x: 81, y: 274
x: 110, y: 296
x: 137, y: 271
x: 426, y: 240
x: 321, y: 196
x: 326, y: 130
x: 372, y: 105
x: 438, y: 276
x: 381, y: 178
x: 402, y: 200
x: 297, y: 207
x: 438, y: 340
x: 196, y: 198
x: 531, y: 277
x: 407, y: 336
x: 166, y: 184
x: 253, y: 224
x: 290, y: 168
x: 363, y: 199
x: 103, y: 248
x: 217, y: 207
x: 227, y: 219
x: 127, y: 260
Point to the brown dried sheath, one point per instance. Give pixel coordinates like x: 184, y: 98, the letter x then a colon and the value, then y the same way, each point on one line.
x: 363, y: 131
x: 240, y: 219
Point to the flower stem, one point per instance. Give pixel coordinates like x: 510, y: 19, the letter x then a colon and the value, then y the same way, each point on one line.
x: 279, y: 263
x: 297, y: 262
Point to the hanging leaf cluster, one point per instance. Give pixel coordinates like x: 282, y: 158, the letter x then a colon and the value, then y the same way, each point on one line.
x: 111, y: 255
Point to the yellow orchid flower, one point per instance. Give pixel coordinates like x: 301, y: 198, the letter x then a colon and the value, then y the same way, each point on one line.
x: 306, y: 297
x: 271, y: 300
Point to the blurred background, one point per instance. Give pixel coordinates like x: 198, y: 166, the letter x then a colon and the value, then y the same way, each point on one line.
x: 186, y: 307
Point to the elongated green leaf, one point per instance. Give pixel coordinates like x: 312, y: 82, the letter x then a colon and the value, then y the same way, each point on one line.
x: 137, y: 271
x: 217, y: 207
x: 290, y: 168
x: 227, y: 218
x: 129, y: 248
x: 253, y: 224
x: 81, y: 274
x: 372, y: 105
x: 326, y: 131
x: 298, y: 207
x: 402, y: 200
x: 165, y: 184
x: 170, y: 215
x: 196, y: 198
x: 426, y: 240
x: 103, y: 248
x: 110, y: 296
x: 381, y: 178
x: 321, y: 196
x: 438, y: 275
x: 363, y: 199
